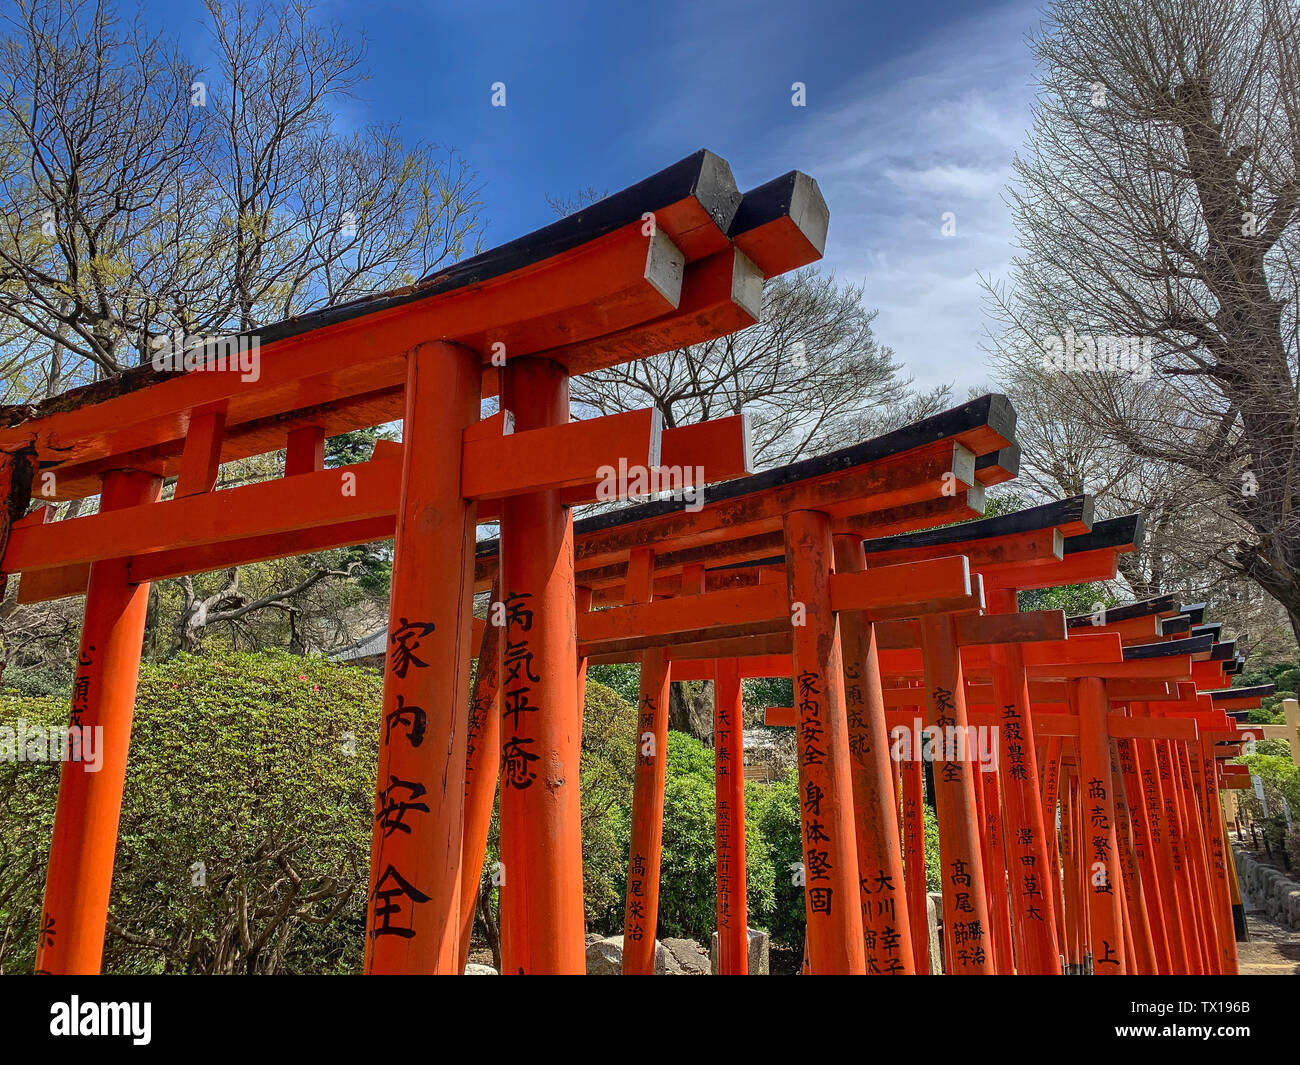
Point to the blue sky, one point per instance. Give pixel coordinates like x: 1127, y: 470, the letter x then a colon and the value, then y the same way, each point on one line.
x: 912, y: 110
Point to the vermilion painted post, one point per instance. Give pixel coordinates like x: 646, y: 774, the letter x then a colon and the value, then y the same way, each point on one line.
x: 413, y: 920
x: 1029, y: 884
x: 965, y: 902
x: 1143, y: 844
x: 1200, y: 863
x: 1073, y: 911
x: 995, y: 871
x: 834, y: 916
x: 1099, y: 851
x: 1199, y: 930
x: 79, y: 877
x: 542, y: 921
x: 729, y: 805
x: 1180, y: 877
x: 1207, y: 787
x: 914, y: 859
x: 482, y: 767
x: 582, y: 604
x: 1147, y: 763
x: 641, y: 904
x: 982, y: 834
x: 1034, y: 898
x: 1126, y: 927
x: 1081, y: 867
x: 885, y: 919
x: 1050, y: 784
x: 1137, y: 925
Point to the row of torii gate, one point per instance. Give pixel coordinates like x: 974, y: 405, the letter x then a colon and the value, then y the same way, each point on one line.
x: 844, y: 572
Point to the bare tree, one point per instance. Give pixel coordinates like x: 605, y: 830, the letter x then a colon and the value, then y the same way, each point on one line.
x: 811, y: 374
x: 146, y: 195
x: 1156, y: 205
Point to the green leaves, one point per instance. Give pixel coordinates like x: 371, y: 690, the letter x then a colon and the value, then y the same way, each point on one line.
x: 239, y: 779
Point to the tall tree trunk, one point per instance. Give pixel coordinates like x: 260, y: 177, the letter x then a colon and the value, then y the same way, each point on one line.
x: 491, y: 930
x: 690, y: 709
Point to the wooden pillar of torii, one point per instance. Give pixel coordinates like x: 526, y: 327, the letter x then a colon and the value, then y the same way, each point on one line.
x: 965, y: 901
x: 1207, y: 938
x: 641, y: 906
x: 541, y: 837
x: 729, y: 820
x: 886, y: 920
x: 914, y: 867
x: 1037, y: 951
x: 831, y: 876
x: 1099, y: 851
x: 1026, y: 548
x: 74, y: 913
x: 675, y: 260
x: 413, y: 920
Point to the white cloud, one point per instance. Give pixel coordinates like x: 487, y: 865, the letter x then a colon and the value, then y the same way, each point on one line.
x: 930, y: 132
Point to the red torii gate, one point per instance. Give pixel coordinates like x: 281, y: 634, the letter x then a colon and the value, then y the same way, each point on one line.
x: 906, y: 479
x: 1028, y: 547
x: 1127, y: 688
x: 677, y: 259
x: 712, y: 647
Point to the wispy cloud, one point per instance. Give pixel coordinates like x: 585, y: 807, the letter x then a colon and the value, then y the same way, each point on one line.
x: 928, y: 134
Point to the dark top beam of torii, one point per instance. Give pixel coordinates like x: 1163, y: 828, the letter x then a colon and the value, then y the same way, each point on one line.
x: 676, y: 259
x: 706, y: 252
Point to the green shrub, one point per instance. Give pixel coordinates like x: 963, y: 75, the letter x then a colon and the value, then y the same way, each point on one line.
x: 775, y: 810
x: 623, y: 679
x: 52, y: 683
x: 1288, y: 679
x: 609, y: 731
x: 1281, y: 780
x: 250, y: 787
x: 250, y: 773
